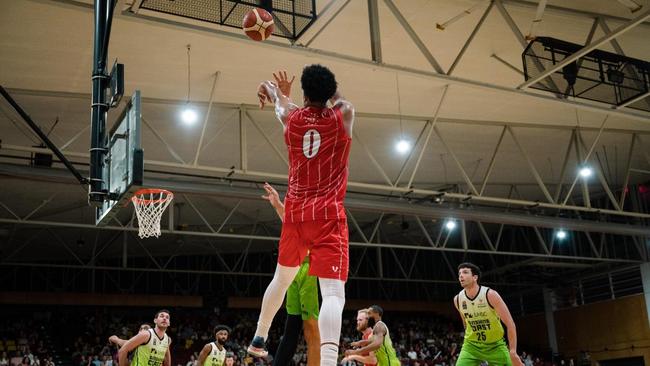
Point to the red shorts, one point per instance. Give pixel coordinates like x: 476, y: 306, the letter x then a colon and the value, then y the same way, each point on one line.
x: 326, y: 241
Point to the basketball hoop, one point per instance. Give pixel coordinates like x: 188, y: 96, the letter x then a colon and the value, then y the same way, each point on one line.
x: 150, y: 203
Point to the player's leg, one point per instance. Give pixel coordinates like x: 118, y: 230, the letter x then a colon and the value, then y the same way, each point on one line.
x: 312, y: 337
x: 469, y: 355
x: 498, y: 355
x: 289, y: 342
x: 293, y: 325
x: 310, y: 312
x: 329, y: 321
x: 291, y: 252
x: 329, y: 261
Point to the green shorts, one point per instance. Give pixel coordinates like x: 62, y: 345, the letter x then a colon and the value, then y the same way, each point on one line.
x: 302, y: 295
x: 496, y: 354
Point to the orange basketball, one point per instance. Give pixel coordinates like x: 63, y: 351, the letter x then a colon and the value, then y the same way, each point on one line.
x: 258, y: 24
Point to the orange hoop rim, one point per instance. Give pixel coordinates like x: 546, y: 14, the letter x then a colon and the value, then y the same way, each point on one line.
x: 137, y: 196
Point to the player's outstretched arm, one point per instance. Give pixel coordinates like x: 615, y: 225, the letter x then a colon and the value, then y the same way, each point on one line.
x: 371, y: 359
x: 379, y: 331
x: 204, y: 354
x: 119, y: 342
x: 360, y: 343
x: 502, y: 310
x: 130, y: 345
x: 347, y: 110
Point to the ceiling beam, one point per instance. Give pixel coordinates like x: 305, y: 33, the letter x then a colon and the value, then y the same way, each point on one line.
x: 358, y: 114
x: 367, y: 188
x: 424, y: 246
x: 364, y: 204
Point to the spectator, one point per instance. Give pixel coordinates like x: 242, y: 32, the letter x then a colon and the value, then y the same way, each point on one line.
x: 192, y: 361
x: 412, y: 354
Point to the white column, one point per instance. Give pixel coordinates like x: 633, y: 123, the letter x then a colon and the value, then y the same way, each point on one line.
x: 645, y: 278
x: 550, y: 320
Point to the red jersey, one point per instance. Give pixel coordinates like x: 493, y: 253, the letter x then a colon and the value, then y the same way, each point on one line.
x: 319, y: 147
x: 366, y: 334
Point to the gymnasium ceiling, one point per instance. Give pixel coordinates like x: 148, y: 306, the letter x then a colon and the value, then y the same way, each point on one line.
x: 45, y: 63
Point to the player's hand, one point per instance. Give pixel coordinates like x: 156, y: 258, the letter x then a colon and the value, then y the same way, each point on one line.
x: 350, y: 352
x: 354, y: 344
x: 514, y: 357
x: 272, y: 196
x: 263, y: 95
x: 284, y: 84
x: 113, y: 339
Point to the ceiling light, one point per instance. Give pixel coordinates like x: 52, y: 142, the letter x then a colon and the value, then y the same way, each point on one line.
x: 450, y: 225
x: 189, y: 116
x: 402, y: 146
x: 586, y: 172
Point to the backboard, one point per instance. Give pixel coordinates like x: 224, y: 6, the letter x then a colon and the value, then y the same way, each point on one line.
x: 123, y: 168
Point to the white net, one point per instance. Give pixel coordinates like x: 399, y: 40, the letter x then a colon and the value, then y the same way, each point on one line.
x: 149, y: 207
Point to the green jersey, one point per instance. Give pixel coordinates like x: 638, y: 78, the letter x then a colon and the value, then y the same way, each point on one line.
x: 153, y: 352
x: 216, y: 357
x: 482, y: 324
x: 386, y: 355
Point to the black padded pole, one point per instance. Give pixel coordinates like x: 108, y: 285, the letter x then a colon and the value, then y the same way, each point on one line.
x: 100, y: 83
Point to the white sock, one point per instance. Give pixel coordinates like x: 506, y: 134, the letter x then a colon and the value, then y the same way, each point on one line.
x: 273, y: 297
x: 329, y: 320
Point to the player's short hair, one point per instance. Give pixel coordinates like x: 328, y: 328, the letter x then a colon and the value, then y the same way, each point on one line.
x: 377, y: 309
x: 221, y: 327
x: 145, y: 326
x: 472, y: 267
x: 318, y: 83
x: 162, y: 311
x: 230, y: 355
x: 363, y: 311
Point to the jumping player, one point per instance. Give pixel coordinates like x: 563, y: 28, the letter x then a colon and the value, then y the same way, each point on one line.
x: 318, y: 139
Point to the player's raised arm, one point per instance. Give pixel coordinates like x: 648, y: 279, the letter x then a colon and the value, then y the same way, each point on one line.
x: 274, y: 199
x: 278, y: 94
x: 502, y: 310
x: 347, y: 110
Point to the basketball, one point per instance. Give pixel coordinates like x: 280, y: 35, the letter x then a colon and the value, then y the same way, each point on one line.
x: 258, y: 24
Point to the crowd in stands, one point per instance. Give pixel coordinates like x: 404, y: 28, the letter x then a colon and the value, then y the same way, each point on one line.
x: 24, y: 342
x: 81, y: 337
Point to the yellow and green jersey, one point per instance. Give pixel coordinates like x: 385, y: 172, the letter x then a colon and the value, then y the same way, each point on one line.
x: 153, y: 352
x: 216, y: 357
x: 482, y: 324
x: 386, y: 355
